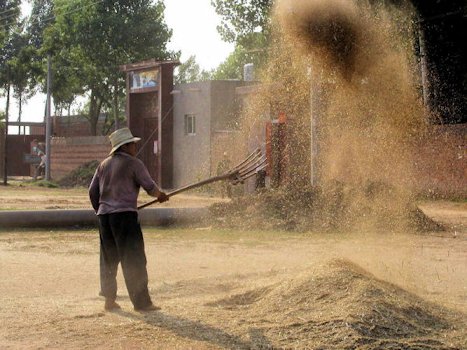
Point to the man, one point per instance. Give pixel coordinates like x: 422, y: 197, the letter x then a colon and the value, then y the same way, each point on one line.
x: 37, y: 151
x: 113, y: 193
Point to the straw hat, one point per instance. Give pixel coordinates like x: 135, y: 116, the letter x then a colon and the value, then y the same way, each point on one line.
x: 120, y: 137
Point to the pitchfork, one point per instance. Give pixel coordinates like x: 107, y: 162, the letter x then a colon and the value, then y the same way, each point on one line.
x: 252, y: 164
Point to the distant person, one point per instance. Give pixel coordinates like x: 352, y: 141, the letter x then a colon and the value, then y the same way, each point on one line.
x: 37, y: 150
x: 40, y: 170
x: 113, y: 193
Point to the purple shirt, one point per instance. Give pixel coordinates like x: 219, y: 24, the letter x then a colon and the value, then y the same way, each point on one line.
x: 116, y: 182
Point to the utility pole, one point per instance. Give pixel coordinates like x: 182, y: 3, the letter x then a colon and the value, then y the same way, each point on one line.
x: 423, y: 66
x: 5, y: 143
x: 316, y: 110
x: 48, y: 122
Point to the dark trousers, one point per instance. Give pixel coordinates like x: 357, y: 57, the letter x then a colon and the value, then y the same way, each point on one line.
x: 122, y: 242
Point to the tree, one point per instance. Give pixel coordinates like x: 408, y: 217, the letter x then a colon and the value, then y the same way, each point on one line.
x: 94, y: 38
x: 23, y: 69
x: 9, y: 15
x: 232, y: 67
x: 42, y: 16
x: 190, y: 71
x: 243, y: 19
x: 247, y: 24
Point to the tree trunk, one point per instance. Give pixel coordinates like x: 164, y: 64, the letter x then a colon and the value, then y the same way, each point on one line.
x: 20, y: 111
x: 115, y: 102
x: 92, y: 114
x: 94, y: 111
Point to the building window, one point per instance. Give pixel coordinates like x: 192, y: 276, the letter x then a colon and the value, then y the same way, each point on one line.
x: 190, y: 124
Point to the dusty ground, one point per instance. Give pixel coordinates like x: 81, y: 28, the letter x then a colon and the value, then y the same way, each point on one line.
x: 239, y: 290
x: 21, y: 197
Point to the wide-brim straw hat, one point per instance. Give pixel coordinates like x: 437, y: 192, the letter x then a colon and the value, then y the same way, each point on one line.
x: 120, y: 137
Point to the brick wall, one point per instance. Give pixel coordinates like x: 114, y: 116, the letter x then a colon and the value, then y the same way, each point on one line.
x: 68, y: 153
x: 441, y: 167
x: 75, y: 126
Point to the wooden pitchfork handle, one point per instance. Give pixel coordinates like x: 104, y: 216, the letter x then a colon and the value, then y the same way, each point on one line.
x: 242, y: 171
x: 232, y: 176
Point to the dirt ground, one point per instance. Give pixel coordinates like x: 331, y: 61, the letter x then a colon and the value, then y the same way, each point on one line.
x: 237, y: 290
x: 20, y: 197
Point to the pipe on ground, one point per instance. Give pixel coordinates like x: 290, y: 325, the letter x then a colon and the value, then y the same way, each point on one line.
x: 87, y: 217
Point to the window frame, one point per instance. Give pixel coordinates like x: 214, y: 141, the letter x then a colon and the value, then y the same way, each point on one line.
x: 190, y: 124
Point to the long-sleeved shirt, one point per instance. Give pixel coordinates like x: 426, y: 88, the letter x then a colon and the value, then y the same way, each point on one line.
x: 115, y: 185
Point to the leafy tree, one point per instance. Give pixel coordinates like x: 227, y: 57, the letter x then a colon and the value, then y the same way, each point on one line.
x: 9, y: 15
x: 42, y: 16
x: 243, y: 19
x: 90, y: 40
x: 190, y: 71
x: 23, y: 69
x: 232, y: 67
x: 247, y: 24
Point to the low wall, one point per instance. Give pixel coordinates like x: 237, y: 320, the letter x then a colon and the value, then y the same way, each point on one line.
x: 441, y: 166
x: 68, y: 153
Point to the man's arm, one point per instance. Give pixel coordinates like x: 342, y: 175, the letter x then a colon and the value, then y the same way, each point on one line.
x: 159, y: 194
x: 148, y: 184
x: 94, y: 193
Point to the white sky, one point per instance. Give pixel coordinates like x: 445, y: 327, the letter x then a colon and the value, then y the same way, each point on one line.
x: 194, y: 33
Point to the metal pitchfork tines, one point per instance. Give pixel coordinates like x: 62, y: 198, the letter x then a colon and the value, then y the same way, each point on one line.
x: 252, y: 164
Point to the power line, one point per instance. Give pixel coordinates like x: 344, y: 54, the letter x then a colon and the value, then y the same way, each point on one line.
x: 10, y: 9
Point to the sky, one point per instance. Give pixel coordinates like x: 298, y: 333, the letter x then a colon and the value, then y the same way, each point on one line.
x: 194, y: 33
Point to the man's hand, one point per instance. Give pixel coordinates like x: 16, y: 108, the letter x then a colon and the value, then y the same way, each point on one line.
x: 162, y: 197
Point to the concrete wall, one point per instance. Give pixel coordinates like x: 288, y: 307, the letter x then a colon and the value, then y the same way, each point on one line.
x: 225, y: 106
x: 216, y: 107
x: 69, y: 153
x: 192, y: 153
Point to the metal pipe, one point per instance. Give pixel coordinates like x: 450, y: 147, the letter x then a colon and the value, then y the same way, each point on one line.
x: 87, y: 217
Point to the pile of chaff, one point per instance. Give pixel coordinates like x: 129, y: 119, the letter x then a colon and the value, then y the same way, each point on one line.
x: 375, y: 206
x: 81, y: 176
x: 339, y: 305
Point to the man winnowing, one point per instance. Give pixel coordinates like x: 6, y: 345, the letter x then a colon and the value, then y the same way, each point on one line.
x: 113, y: 193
